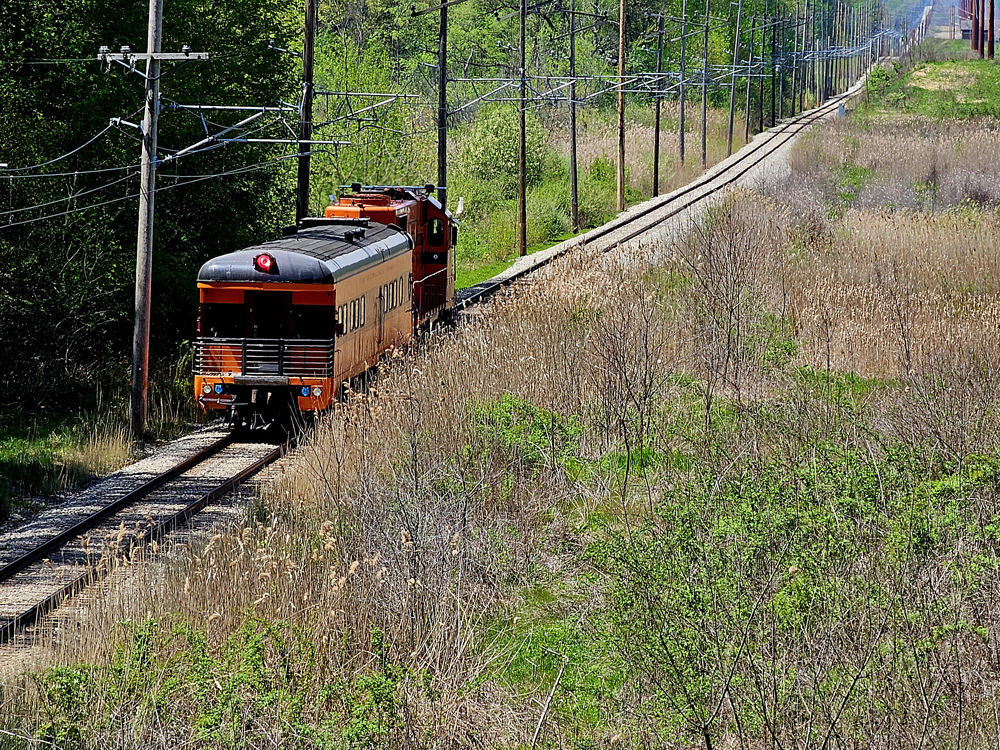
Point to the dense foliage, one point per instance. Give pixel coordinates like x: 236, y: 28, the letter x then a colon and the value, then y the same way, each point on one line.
x: 66, y: 273
x: 67, y: 281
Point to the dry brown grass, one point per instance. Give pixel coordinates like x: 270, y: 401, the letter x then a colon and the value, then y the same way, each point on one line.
x: 412, y: 518
x: 916, y: 163
x: 599, y: 138
x: 897, y: 264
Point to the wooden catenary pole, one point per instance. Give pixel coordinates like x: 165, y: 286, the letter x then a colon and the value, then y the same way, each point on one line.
x: 704, y: 96
x: 656, y: 121
x: 522, y: 172
x: 746, y: 124
x: 732, y: 83
x: 144, y: 246
x: 621, y: 106
x: 442, y: 111
x: 574, y: 202
x: 305, y: 113
x: 683, y: 82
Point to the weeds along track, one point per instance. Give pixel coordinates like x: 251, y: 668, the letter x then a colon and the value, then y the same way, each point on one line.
x: 78, y: 550
x: 36, y: 579
x: 652, y: 214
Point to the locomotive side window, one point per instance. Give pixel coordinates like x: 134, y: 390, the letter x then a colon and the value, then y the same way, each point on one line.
x: 393, y: 294
x: 223, y: 320
x: 435, y: 238
x: 401, y: 220
x: 454, y: 235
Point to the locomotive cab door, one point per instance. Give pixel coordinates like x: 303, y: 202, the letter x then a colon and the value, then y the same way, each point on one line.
x: 270, y: 314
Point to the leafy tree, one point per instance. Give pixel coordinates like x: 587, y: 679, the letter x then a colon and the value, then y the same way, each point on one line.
x: 66, y: 304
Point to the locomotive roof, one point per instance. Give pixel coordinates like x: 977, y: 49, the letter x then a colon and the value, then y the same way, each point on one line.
x: 313, y: 255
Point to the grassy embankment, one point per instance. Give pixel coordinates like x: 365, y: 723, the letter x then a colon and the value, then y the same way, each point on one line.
x: 53, y: 450
x: 749, y: 496
x: 42, y: 455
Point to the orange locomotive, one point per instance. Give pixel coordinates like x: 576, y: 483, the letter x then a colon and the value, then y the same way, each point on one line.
x: 282, y: 324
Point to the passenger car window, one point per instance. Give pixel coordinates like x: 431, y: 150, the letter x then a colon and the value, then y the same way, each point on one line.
x: 312, y: 322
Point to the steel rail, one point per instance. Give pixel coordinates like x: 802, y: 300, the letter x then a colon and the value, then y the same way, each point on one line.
x: 790, y: 127
x: 154, y: 534
x: 78, y: 529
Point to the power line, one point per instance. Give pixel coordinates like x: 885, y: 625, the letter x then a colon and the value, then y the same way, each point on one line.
x: 62, y: 61
x: 69, y: 198
x: 74, y: 173
x: 194, y: 179
x: 58, y: 158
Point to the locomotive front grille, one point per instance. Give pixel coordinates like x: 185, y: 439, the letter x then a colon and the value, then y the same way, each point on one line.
x: 286, y: 358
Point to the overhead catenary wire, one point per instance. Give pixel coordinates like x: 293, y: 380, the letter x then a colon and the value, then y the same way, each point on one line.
x: 74, y: 173
x: 193, y: 179
x: 58, y: 158
x: 70, y: 197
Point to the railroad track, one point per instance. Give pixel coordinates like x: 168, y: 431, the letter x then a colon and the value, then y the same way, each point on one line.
x: 650, y: 214
x: 36, y: 580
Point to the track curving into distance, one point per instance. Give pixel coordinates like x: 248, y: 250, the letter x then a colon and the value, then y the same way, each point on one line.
x: 637, y: 221
x: 39, y: 579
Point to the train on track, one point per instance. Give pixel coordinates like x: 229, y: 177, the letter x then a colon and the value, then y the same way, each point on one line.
x: 282, y: 325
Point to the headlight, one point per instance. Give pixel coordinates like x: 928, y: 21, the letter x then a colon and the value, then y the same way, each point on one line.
x: 305, y: 390
x: 317, y: 391
x: 206, y: 388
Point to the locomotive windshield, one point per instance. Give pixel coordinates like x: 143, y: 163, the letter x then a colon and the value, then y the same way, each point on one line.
x: 267, y: 315
x: 435, y: 237
x: 223, y: 321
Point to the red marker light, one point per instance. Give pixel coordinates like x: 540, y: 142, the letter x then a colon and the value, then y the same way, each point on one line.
x: 265, y: 263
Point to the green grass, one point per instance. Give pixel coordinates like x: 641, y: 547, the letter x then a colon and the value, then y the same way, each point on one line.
x: 33, y: 459
x: 475, y: 273
x: 467, y: 277
x: 947, y: 88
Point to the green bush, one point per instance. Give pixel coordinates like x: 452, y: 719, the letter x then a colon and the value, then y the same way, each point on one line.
x: 489, y: 149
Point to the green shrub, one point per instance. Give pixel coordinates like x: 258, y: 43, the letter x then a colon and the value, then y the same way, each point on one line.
x: 489, y: 150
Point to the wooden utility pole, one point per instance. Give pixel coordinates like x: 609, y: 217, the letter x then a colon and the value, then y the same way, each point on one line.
x: 621, y: 106
x: 773, y: 23
x: 732, y: 83
x: 522, y: 174
x: 982, y: 28
x: 305, y: 113
x: 574, y: 202
x: 442, y: 111
x: 683, y: 82
x: 760, y: 78
x: 147, y: 192
x: 991, y: 39
x: 144, y: 247
x: 781, y: 68
x: 746, y: 124
x: 976, y: 33
x: 704, y: 96
x: 795, y: 61
x: 656, y: 119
